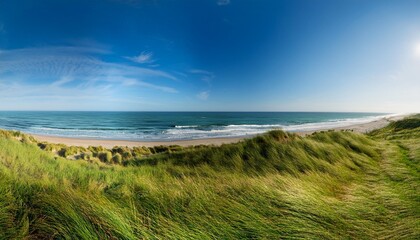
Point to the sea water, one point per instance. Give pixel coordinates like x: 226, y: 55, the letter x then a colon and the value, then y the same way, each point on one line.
x: 161, y: 126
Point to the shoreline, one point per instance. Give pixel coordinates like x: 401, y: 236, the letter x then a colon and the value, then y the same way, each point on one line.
x: 108, y: 143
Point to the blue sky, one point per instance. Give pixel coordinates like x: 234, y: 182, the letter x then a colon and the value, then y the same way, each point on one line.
x: 210, y: 55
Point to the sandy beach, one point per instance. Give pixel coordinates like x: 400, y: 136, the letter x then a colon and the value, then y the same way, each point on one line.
x: 362, y: 128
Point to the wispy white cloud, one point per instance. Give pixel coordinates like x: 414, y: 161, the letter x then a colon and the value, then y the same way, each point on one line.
x: 223, y: 2
x: 68, y: 77
x: 62, y: 81
x: 2, y: 30
x: 126, y: 81
x: 22, y: 90
x: 73, y: 78
x: 200, y: 71
x: 204, y: 95
x: 18, y: 95
x: 206, y: 76
x: 157, y: 87
x: 144, y: 57
x: 79, y: 63
x: 24, y: 96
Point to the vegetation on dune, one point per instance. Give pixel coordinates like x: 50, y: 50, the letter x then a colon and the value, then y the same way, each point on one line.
x: 329, y: 185
x: 404, y: 129
x: 99, y: 153
x: 117, y: 158
x: 273, y: 152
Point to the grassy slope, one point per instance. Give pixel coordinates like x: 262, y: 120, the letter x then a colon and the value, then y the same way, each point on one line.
x: 330, y: 185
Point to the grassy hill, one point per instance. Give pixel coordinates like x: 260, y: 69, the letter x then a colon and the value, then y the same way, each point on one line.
x: 329, y: 185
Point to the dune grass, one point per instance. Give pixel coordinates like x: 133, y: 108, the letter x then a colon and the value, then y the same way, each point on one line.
x: 329, y: 185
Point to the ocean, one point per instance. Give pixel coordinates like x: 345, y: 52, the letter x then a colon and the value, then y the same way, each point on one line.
x: 166, y: 126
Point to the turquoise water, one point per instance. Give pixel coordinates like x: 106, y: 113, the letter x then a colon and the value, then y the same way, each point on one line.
x: 151, y: 126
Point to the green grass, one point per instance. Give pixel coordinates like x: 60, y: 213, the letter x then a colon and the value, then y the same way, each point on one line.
x: 329, y: 185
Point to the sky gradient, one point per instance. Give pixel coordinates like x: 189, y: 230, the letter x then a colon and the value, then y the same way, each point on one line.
x: 214, y: 55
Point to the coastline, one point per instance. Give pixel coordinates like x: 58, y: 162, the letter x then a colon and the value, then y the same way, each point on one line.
x: 108, y: 143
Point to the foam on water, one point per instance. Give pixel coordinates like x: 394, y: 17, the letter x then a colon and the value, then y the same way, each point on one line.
x: 252, y: 129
